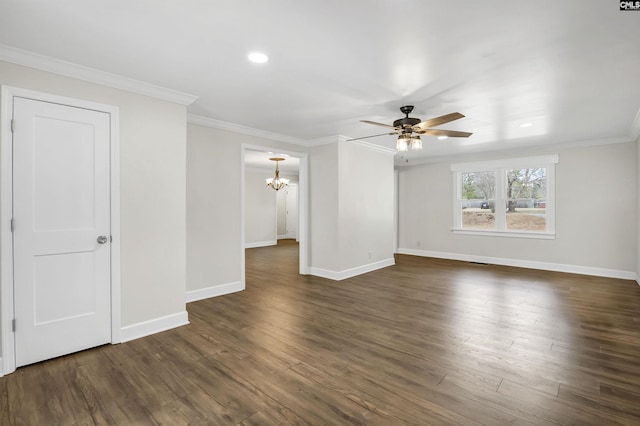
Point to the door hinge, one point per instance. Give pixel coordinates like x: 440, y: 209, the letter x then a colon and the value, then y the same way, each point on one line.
x: 13, y: 125
x: 13, y: 224
x: 13, y: 325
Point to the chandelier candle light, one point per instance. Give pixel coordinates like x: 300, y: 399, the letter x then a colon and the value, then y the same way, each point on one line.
x: 277, y: 182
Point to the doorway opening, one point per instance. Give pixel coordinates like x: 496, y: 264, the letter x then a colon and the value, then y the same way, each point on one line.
x: 270, y: 216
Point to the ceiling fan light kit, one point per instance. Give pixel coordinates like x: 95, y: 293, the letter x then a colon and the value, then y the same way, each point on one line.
x: 409, y: 129
x: 416, y: 143
x: 402, y: 143
x: 277, y: 182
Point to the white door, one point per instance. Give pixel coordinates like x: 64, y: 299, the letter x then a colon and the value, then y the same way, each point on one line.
x: 292, y: 211
x: 62, y: 283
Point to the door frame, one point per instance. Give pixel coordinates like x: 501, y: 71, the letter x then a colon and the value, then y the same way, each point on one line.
x: 303, y: 206
x: 7, y: 94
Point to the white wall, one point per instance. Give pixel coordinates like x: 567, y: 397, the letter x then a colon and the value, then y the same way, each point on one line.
x: 259, y: 209
x: 213, y: 208
x: 352, y: 204
x: 366, y: 205
x: 323, y: 206
x: 153, y: 180
x: 596, y: 217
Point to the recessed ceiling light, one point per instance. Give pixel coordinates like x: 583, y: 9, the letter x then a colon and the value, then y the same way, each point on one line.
x: 526, y: 125
x: 258, y: 57
x: 443, y: 137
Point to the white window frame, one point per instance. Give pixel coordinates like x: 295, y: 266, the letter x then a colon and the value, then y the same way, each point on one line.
x: 500, y: 168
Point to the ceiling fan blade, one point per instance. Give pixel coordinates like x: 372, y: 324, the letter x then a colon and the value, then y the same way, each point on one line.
x: 439, y: 132
x: 432, y: 122
x: 373, y: 136
x: 377, y: 124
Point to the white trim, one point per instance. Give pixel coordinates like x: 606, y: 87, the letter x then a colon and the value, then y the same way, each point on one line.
x: 396, y: 210
x: 275, y: 217
x: 348, y: 273
x: 1, y: 374
x: 242, y: 241
x: 283, y: 237
x: 261, y: 244
x: 156, y: 325
x: 81, y: 72
x: 519, y: 263
x: 325, y: 141
x: 303, y: 215
x: 374, y: 147
x: 509, y: 163
x: 116, y: 278
x: 7, y: 93
x: 237, y: 128
x: 509, y: 234
x: 6, y: 246
x: 214, y: 291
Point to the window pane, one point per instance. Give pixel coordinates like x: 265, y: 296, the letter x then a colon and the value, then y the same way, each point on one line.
x: 527, y: 199
x: 478, y: 200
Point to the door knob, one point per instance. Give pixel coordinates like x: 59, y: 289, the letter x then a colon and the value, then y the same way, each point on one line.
x: 102, y: 239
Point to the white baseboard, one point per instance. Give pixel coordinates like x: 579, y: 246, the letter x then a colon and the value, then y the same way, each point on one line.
x: 348, y: 273
x: 213, y: 291
x: 283, y: 237
x: 260, y: 244
x: 519, y: 263
x: 156, y: 325
x: 1, y: 367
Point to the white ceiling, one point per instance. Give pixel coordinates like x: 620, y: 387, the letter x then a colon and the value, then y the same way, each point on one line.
x: 259, y: 159
x: 570, y: 67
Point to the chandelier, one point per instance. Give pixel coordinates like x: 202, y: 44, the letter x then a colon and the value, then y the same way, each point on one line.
x: 277, y: 182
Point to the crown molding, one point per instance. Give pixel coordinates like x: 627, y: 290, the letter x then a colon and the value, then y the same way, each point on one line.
x: 237, y: 128
x: 341, y: 138
x: 81, y: 72
x: 375, y: 147
x: 325, y: 141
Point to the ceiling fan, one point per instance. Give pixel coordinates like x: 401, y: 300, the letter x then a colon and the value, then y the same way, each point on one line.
x: 409, y: 129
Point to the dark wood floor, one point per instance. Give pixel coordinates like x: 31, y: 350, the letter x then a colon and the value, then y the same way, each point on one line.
x: 424, y: 342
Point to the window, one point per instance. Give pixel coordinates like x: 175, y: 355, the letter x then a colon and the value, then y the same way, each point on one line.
x: 511, y: 197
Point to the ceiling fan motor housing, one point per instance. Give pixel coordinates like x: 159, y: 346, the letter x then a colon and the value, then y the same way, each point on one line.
x: 406, y: 121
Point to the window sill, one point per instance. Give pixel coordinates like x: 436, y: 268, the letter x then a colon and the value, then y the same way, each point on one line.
x: 508, y: 234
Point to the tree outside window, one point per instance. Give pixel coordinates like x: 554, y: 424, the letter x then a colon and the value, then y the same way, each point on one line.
x: 526, y: 199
